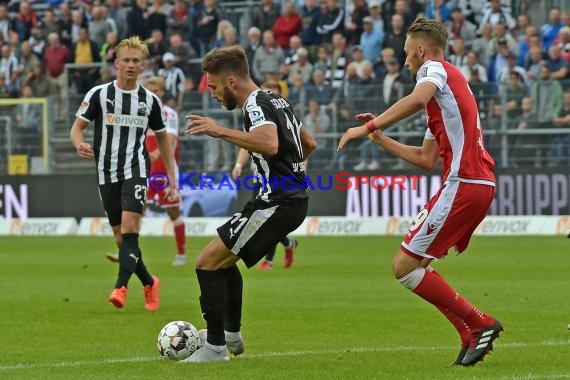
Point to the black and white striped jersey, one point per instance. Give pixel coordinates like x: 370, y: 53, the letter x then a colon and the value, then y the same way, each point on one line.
x: 121, y: 121
x: 282, y: 175
x: 173, y: 81
x: 8, y: 66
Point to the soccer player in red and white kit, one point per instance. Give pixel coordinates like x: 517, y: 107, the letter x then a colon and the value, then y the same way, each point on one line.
x: 156, y: 189
x: 451, y: 216
x: 155, y: 193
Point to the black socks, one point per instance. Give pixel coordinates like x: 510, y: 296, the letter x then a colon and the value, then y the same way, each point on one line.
x: 286, y: 241
x: 270, y: 254
x: 221, y: 301
x: 234, y: 282
x: 143, y: 273
x: 213, y: 298
x: 130, y: 261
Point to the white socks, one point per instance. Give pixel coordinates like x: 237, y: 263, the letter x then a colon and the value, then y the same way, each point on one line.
x: 232, y: 336
x: 413, y: 279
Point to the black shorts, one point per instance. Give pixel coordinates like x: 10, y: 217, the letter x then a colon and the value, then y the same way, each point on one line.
x: 126, y: 195
x: 260, y: 226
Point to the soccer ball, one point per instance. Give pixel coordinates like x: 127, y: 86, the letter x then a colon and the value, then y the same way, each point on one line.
x: 178, y: 340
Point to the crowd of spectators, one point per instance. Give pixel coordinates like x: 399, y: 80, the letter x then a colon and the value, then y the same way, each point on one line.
x: 332, y: 59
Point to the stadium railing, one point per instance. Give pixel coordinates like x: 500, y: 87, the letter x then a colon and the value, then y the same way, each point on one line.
x: 25, y: 127
x: 509, y: 146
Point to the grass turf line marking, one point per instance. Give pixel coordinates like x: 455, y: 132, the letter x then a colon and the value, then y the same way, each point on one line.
x: 79, y: 363
x: 532, y: 376
x: 269, y: 354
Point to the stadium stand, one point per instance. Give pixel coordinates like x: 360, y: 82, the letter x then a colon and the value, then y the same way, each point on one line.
x: 515, y: 55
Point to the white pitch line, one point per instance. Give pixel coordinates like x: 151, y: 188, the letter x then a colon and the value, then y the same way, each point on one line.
x: 269, y: 354
x: 79, y: 363
x: 531, y: 376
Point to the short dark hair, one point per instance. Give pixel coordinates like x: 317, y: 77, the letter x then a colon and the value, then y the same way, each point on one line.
x: 226, y: 60
x: 432, y: 30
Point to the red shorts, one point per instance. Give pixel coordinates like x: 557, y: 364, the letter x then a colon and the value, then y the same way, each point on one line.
x: 159, y: 196
x: 448, y: 220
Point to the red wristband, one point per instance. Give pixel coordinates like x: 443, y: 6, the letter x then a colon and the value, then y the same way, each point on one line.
x: 370, y: 126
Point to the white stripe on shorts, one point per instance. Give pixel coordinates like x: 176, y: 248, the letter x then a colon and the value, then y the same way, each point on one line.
x: 436, y: 217
x: 256, y: 220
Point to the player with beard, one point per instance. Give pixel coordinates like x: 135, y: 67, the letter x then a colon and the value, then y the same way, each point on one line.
x: 288, y: 242
x: 278, y: 145
x: 450, y: 217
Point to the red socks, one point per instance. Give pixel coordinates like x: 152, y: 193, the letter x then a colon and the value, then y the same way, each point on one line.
x: 459, y: 325
x: 434, y: 289
x: 180, y: 236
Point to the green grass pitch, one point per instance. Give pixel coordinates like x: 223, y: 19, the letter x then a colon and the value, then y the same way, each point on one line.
x: 336, y: 314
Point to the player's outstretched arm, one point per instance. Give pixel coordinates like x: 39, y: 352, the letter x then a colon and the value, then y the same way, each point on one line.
x: 84, y: 150
x: 363, y: 118
x: 424, y: 157
x: 262, y: 139
x: 403, y: 108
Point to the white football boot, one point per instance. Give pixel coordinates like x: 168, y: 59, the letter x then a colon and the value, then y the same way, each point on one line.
x: 179, y: 260
x: 208, y: 353
x: 234, y: 341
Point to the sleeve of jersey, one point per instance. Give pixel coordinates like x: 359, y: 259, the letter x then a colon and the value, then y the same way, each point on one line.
x: 432, y: 72
x: 172, y: 123
x: 429, y: 135
x: 156, y: 118
x: 260, y: 114
x: 90, y: 106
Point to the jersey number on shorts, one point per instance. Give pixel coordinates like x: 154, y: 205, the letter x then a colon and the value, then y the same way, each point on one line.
x: 419, y: 219
x: 138, y: 190
x: 240, y: 221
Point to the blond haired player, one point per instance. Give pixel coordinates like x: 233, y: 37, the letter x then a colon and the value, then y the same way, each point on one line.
x: 122, y: 111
